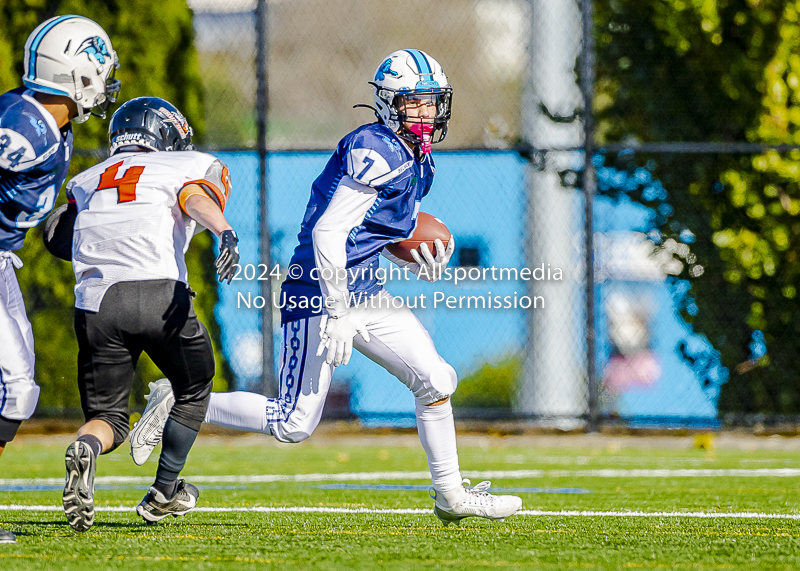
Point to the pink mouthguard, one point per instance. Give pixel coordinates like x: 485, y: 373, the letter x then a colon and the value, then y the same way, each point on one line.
x: 423, y: 131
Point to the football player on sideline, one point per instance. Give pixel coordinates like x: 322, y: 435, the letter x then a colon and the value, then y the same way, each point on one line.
x: 69, y: 76
x: 134, y: 216
x: 368, y: 196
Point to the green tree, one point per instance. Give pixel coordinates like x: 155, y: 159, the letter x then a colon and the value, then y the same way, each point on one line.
x: 154, y: 42
x: 725, y: 71
x: 490, y: 386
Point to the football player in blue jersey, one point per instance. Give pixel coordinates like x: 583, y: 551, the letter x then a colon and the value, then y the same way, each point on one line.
x: 367, y: 196
x: 69, y: 75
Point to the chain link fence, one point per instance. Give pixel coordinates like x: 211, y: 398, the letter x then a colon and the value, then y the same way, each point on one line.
x: 322, y: 54
x: 508, y: 185
x: 688, y: 313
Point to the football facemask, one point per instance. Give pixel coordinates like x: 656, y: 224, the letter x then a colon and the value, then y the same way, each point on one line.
x: 104, y: 100
x: 423, y: 117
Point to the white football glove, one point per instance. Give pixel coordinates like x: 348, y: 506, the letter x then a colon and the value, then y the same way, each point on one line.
x: 433, y: 266
x: 336, y: 334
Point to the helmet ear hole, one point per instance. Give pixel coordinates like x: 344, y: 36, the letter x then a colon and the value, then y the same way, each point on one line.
x: 86, y: 81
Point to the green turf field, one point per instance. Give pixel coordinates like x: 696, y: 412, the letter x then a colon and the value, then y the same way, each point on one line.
x: 565, y: 476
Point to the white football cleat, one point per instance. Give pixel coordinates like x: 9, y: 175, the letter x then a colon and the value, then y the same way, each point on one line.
x: 148, y: 431
x: 477, y: 502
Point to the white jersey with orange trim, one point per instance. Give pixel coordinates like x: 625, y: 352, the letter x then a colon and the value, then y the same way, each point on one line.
x: 131, y: 225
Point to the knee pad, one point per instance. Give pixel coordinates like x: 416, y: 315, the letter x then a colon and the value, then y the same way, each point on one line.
x: 296, y: 428
x: 20, y: 400
x: 442, y: 384
x: 191, y: 404
x: 289, y: 435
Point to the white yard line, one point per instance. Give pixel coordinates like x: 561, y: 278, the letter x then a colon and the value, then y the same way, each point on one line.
x: 238, y: 479
x: 420, y: 511
x: 424, y: 475
x: 675, y: 473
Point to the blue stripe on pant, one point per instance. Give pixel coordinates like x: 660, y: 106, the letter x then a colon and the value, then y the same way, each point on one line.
x: 304, y: 382
x: 291, y: 376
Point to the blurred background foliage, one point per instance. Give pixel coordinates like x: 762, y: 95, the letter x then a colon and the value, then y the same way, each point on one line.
x: 161, y: 62
x: 667, y: 70
x: 490, y: 387
x: 724, y: 71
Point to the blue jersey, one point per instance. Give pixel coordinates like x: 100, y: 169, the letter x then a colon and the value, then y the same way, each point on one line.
x: 34, y: 159
x: 374, y: 156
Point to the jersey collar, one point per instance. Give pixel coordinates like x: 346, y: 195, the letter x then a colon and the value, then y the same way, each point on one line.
x: 405, y: 145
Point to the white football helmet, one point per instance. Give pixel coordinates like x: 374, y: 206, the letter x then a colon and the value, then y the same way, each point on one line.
x: 412, y: 74
x: 72, y: 56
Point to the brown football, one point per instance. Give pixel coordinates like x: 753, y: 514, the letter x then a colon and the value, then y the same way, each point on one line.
x: 428, y: 229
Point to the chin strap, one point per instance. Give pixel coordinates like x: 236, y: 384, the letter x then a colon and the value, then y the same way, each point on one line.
x: 82, y: 115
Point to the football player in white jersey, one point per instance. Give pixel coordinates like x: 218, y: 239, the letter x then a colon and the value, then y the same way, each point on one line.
x: 367, y: 196
x: 69, y: 76
x: 133, y: 217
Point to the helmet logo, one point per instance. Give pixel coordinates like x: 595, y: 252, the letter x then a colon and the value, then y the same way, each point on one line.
x: 176, y: 119
x: 386, y: 67
x: 94, y: 47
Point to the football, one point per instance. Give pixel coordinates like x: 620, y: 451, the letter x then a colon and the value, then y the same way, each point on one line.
x: 427, y: 230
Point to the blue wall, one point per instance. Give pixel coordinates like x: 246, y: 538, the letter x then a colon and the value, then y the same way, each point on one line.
x: 480, y: 197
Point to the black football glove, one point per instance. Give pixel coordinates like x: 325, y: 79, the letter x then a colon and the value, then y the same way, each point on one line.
x: 228, y: 255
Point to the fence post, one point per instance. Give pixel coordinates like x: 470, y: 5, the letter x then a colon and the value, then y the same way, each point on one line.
x: 552, y: 387
x: 262, y: 112
x: 589, y: 190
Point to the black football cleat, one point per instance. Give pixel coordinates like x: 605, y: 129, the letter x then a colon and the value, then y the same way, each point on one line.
x: 7, y: 537
x: 155, y: 507
x: 78, y: 498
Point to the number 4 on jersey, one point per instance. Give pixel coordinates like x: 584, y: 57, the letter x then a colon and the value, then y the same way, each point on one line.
x: 125, y: 185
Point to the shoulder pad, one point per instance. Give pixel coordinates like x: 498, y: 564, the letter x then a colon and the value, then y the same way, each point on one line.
x: 375, y: 157
x: 23, y: 139
x: 216, y: 183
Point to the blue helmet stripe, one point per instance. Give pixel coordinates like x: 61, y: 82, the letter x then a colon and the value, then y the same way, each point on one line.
x: 36, y: 87
x: 38, y: 40
x: 422, y: 62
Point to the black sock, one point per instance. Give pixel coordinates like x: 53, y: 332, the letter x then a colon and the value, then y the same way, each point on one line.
x: 93, y: 442
x: 175, y: 445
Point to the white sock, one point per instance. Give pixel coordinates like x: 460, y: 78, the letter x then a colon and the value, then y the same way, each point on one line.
x: 437, y: 432
x: 240, y: 410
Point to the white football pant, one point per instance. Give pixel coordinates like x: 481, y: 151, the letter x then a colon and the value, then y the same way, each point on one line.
x: 398, y: 342
x: 18, y: 392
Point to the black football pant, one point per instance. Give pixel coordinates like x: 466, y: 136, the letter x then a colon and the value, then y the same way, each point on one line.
x: 155, y: 317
